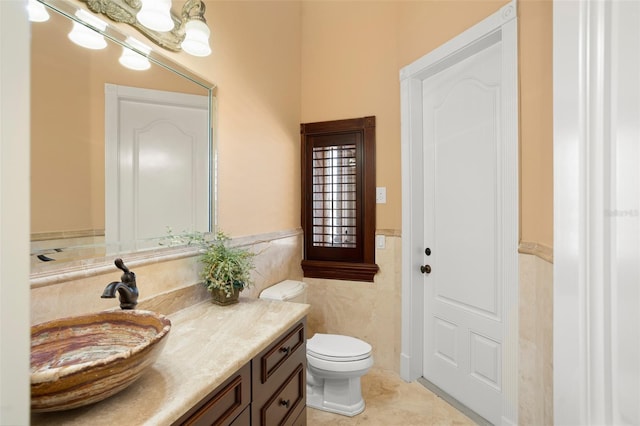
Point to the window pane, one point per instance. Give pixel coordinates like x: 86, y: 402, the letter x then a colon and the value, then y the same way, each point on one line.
x: 334, y: 196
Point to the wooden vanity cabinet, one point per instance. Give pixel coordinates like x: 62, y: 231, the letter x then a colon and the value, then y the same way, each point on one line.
x: 269, y: 390
x: 279, y: 380
x: 222, y: 406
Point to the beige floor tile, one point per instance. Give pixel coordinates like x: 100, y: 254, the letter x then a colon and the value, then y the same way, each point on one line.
x: 390, y: 401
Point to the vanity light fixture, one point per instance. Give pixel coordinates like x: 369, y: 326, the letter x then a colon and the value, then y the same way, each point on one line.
x: 37, y: 12
x: 156, y: 15
x: 132, y: 59
x: 196, y: 37
x: 86, y: 37
x: 188, y: 32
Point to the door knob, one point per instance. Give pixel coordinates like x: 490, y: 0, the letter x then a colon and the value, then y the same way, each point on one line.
x: 426, y: 269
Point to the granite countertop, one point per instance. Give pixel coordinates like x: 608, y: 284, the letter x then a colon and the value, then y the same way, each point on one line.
x: 206, y: 345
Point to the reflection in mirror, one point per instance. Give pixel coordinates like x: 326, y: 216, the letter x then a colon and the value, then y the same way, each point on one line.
x: 119, y: 157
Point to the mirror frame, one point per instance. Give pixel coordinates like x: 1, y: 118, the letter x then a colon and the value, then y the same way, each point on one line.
x: 84, y: 268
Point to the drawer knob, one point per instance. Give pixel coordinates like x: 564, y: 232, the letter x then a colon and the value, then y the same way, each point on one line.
x: 285, y: 403
x: 285, y: 349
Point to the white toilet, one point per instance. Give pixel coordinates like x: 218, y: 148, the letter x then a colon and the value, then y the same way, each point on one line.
x: 335, y: 363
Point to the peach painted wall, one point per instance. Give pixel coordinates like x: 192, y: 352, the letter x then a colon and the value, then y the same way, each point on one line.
x: 256, y: 65
x: 423, y: 26
x: 67, y: 125
x: 277, y: 64
x: 536, y: 123
x: 353, y: 51
x: 55, y: 182
x: 349, y: 70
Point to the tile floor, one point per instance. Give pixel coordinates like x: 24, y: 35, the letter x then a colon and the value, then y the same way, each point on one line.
x: 390, y: 401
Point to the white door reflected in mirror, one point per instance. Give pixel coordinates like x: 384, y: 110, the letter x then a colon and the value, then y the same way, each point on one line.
x: 157, y: 166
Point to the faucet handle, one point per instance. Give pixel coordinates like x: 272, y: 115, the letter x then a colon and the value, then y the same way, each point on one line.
x: 120, y: 265
x: 128, y: 277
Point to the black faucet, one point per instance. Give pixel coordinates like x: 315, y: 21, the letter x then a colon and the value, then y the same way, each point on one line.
x: 126, y: 288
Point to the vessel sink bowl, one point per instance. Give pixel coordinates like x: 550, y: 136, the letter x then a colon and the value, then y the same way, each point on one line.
x: 84, y: 359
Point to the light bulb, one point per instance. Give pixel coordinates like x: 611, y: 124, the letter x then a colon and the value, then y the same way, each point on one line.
x: 155, y: 15
x: 132, y: 59
x: 37, y: 12
x: 196, y: 39
x: 87, y: 37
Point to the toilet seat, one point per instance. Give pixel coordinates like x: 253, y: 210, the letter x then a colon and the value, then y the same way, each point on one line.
x: 337, y: 348
x: 339, y: 368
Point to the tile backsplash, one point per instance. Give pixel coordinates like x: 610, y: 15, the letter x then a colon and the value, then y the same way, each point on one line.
x: 166, y: 286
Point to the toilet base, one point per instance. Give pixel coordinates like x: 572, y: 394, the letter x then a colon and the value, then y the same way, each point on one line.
x: 339, y: 396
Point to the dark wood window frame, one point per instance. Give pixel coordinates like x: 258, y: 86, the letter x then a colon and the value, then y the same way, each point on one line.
x: 343, y: 261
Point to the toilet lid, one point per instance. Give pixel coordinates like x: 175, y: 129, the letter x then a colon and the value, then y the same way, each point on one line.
x: 335, y: 347
x: 285, y: 290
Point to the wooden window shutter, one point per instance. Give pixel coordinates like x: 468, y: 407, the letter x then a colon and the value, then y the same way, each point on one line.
x: 338, y: 199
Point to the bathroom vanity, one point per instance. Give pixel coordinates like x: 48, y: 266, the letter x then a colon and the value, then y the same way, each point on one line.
x: 233, y: 365
x: 268, y: 390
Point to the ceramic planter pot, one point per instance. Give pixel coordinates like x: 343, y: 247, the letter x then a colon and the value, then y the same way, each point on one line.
x: 219, y: 296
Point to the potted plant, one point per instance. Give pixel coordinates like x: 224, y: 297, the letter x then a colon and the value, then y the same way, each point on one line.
x: 226, y: 270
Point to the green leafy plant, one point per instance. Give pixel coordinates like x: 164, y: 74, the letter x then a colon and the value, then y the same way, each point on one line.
x: 225, y: 267
x: 183, y: 239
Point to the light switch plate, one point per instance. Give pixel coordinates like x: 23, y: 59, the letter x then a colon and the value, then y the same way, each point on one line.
x: 381, y: 195
x: 380, y: 241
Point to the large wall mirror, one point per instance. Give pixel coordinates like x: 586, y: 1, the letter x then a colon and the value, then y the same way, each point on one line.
x: 120, y: 159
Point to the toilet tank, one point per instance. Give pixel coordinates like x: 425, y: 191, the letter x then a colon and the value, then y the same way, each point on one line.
x: 288, y: 291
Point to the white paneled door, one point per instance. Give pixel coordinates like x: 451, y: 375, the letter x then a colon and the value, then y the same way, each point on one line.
x: 460, y: 217
x: 463, y: 314
x: 159, y: 156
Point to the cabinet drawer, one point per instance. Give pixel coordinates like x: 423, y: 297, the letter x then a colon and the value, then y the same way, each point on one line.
x: 279, y: 372
x: 243, y: 419
x: 301, y: 420
x: 281, y: 351
x: 285, y: 405
x: 224, y: 404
